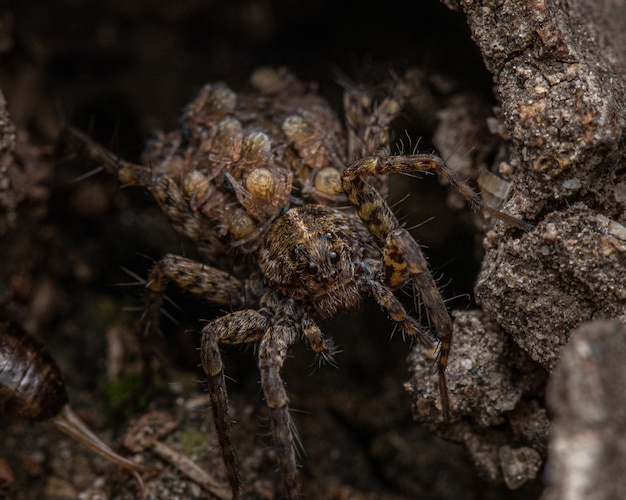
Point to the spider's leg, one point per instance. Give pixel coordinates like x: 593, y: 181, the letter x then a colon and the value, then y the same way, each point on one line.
x: 370, y: 111
x: 213, y: 285
x: 164, y: 190
x: 272, y: 353
x: 235, y: 328
x: 402, y: 261
x: 129, y: 174
x: 381, y: 165
x: 388, y: 301
x: 402, y: 258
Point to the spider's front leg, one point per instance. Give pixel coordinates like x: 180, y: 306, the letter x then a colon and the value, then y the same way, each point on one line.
x: 236, y: 328
x: 276, y: 329
x: 273, y: 351
x: 402, y: 257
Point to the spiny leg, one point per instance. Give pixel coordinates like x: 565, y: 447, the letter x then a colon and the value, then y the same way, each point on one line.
x: 211, y: 284
x: 369, y: 115
x: 370, y: 111
x: 390, y: 303
x: 235, y: 328
x: 425, y: 285
x: 164, y: 189
x: 402, y: 258
x: 381, y: 165
x: 403, y: 261
x: 272, y: 354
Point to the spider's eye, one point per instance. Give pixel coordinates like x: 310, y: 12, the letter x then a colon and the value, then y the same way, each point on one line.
x: 312, y: 268
x: 334, y: 257
x: 329, y: 236
x: 295, y: 253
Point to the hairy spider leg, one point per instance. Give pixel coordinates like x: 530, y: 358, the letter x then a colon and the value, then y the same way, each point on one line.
x: 239, y: 327
x: 273, y: 350
x: 381, y: 165
x: 385, y: 297
x: 164, y: 190
x: 276, y: 328
x: 209, y: 283
x: 236, y: 328
x: 402, y: 258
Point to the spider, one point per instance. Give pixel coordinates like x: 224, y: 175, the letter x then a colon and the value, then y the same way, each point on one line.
x: 263, y: 174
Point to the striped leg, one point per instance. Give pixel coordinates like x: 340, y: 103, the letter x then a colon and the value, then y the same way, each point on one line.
x: 403, y: 260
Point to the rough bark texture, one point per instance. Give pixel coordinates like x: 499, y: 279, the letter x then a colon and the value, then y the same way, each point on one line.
x: 587, y: 396
x: 563, y: 101
x: 497, y: 403
x: 558, y: 73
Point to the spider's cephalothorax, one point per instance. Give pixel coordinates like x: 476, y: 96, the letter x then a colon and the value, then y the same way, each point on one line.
x: 315, y: 255
x: 262, y: 174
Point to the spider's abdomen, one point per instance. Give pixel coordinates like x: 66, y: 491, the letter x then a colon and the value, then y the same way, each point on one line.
x: 311, y: 254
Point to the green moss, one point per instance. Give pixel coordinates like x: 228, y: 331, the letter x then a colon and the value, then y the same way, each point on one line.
x: 111, y: 311
x: 119, y: 392
x: 193, y: 442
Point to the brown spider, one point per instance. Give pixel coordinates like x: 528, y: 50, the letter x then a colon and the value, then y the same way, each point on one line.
x: 262, y: 173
